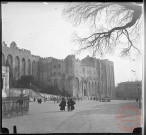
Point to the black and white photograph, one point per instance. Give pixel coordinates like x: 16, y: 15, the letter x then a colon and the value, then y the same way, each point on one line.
x: 72, y: 67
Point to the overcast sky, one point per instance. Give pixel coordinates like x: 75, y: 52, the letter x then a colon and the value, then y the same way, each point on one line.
x: 43, y: 30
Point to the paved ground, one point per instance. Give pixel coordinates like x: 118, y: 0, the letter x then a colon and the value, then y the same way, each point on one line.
x: 88, y: 117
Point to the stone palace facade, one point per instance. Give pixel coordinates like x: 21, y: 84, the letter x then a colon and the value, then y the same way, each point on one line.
x: 86, y: 77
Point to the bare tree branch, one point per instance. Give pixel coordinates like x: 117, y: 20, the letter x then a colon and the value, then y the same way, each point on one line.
x: 125, y: 16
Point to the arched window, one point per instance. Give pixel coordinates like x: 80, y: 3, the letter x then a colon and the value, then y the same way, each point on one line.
x: 55, y: 82
x: 33, y: 68
x: 76, y: 82
x: 23, y: 66
x: 92, y: 88
x: 9, y: 62
x: 29, y: 67
x: 95, y: 88
x: 89, y: 88
x: 17, y: 67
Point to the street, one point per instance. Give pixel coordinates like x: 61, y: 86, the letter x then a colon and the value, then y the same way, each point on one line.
x: 88, y: 117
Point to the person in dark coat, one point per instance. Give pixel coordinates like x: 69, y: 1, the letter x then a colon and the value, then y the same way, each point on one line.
x: 62, y: 104
x: 72, y: 103
x: 40, y: 100
x: 68, y: 105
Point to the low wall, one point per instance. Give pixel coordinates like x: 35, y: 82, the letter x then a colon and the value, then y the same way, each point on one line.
x: 14, y: 106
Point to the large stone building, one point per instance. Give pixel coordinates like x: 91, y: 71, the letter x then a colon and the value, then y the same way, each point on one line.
x: 86, y: 77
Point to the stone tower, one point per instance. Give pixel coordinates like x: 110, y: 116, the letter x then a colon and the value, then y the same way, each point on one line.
x: 70, y: 73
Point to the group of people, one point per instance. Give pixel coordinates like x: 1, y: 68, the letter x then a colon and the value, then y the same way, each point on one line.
x: 39, y: 101
x: 70, y: 104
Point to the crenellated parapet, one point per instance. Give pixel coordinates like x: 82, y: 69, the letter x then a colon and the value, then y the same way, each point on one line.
x: 35, y: 56
x: 4, y: 44
x: 14, y: 50
x: 13, y: 47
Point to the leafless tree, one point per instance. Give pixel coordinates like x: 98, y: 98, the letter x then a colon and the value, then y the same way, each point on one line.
x: 123, y: 21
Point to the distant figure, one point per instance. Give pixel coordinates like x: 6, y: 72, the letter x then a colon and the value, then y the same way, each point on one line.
x: 57, y: 99
x: 54, y: 98
x: 68, y: 105
x: 39, y: 101
x: 62, y: 104
x: 34, y: 99
x: 72, y: 103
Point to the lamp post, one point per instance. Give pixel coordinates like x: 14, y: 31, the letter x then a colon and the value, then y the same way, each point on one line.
x: 139, y: 95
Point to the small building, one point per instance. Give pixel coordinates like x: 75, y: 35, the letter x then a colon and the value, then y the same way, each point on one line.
x: 48, y: 96
x: 129, y: 90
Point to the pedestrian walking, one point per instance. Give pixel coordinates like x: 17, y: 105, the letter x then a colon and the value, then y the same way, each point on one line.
x: 68, y: 105
x: 72, y: 104
x: 54, y: 99
x: 39, y: 101
x: 57, y: 99
x: 62, y: 104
